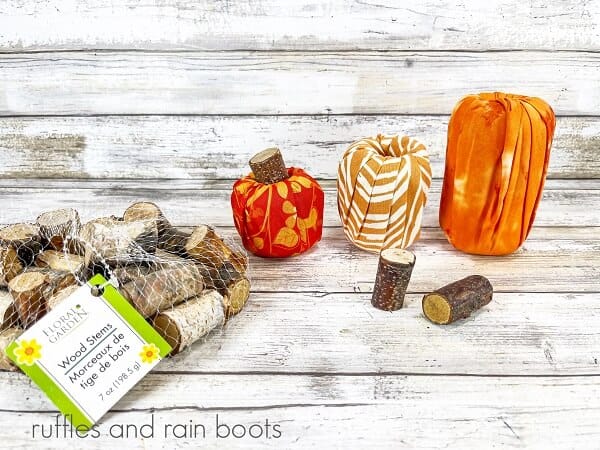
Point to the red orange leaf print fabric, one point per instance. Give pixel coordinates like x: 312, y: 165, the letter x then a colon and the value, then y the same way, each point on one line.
x: 280, y: 219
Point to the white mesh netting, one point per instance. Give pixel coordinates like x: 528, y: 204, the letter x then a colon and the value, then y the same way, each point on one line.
x: 184, y: 282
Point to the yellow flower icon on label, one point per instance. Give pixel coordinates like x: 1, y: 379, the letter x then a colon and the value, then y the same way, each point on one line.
x: 28, y: 352
x: 149, y: 353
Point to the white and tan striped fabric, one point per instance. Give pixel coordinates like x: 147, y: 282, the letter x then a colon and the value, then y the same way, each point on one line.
x: 382, y: 188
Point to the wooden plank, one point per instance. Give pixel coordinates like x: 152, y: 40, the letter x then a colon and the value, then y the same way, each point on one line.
x: 289, y: 82
x: 220, y: 146
x: 516, y: 334
x: 386, y: 412
x: 344, y: 268
x: 572, y: 252
x: 306, y: 25
x: 564, y: 203
x: 531, y: 334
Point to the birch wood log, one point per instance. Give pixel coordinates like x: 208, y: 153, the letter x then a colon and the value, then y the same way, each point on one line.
x: 125, y: 274
x: 10, y: 264
x: 189, y: 321
x: 207, y: 247
x: 8, y: 313
x: 24, y: 238
x: 173, y: 240
x: 393, y: 275
x: 59, y: 226
x: 457, y: 300
x: 164, y: 288
x: 204, y: 245
x: 56, y: 281
x: 62, y: 261
x: 268, y: 166
x: 27, y: 290
x: 147, y: 211
x: 230, y: 283
x: 6, y: 338
x: 55, y: 299
x: 118, y: 242
x: 226, y: 279
x: 31, y: 289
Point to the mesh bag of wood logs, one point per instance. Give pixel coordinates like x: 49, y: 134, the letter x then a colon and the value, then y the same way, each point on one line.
x: 185, y: 282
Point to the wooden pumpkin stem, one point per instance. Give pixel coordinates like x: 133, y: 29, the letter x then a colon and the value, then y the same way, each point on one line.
x: 393, y: 274
x: 268, y: 166
x: 457, y: 300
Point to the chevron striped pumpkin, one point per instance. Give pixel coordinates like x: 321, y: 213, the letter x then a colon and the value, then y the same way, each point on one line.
x: 382, y: 188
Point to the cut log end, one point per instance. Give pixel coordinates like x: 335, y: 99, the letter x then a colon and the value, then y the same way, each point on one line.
x: 60, y: 261
x: 437, y: 309
x: 24, y: 238
x: 19, y: 232
x: 27, y: 290
x: 398, y: 256
x: 236, y: 296
x: 393, y: 275
x: 147, y: 211
x: 59, y: 226
x: 457, y: 300
x: 268, y: 166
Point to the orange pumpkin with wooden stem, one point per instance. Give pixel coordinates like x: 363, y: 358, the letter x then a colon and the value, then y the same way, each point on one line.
x: 496, y: 162
x: 277, y: 211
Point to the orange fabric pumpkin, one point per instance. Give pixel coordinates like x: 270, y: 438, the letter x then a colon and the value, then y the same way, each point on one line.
x: 496, y: 162
x: 280, y: 219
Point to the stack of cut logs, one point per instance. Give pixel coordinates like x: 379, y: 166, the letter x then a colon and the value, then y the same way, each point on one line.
x: 185, y: 283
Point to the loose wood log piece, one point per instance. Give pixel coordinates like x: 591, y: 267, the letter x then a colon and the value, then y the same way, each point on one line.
x: 65, y: 262
x: 31, y: 289
x: 189, y: 321
x: 8, y: 313
x: 24, y: 238
x: 58, y: 227
x: 163, y: 289
x: 268, y: 166
x: 10, y: 264
x: 6, y: 338
x: 147, y: 211
x: 457, y: 300
x: 118, y: 242
x: 393, y: 275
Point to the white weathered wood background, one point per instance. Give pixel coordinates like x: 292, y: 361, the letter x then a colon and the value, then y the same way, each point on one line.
x: 106, y: 102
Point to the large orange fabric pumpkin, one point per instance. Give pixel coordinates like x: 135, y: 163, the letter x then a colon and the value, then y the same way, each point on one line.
x: 496, y: 162
x: 280, y: 219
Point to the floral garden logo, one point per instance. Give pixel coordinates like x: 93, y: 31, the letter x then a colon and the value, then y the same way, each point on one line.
x: 28, y: 352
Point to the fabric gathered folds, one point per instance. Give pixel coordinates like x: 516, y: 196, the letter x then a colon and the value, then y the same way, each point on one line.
x: 382, y: 189
x: 281, y: 219
x: 496, y: 162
